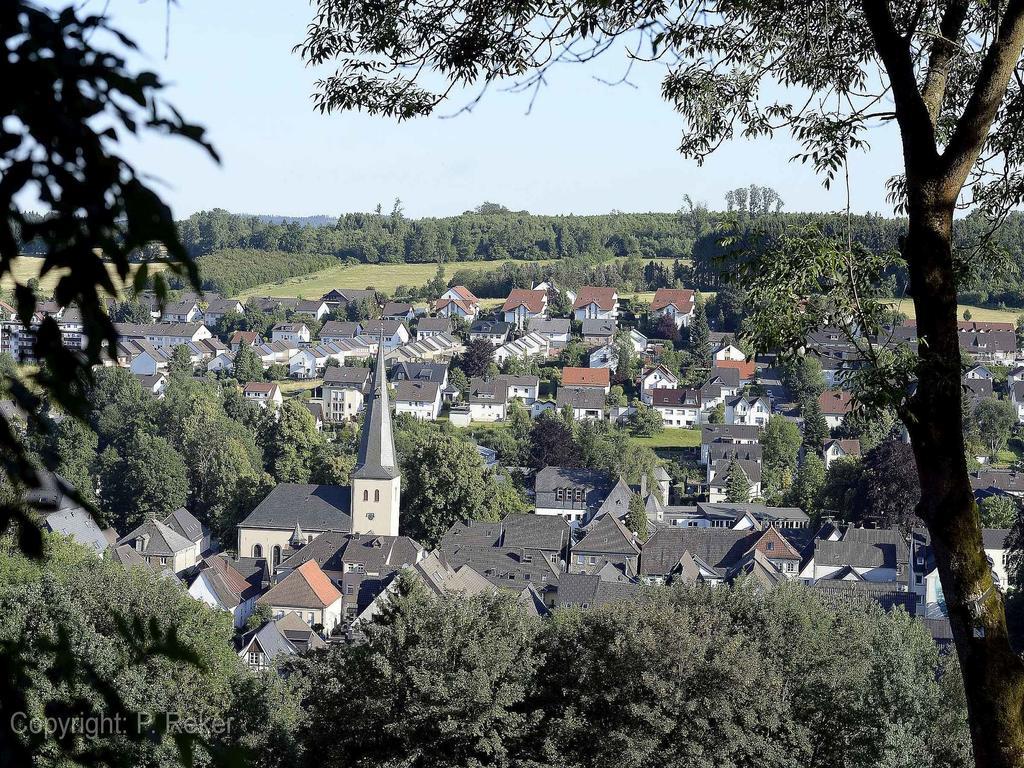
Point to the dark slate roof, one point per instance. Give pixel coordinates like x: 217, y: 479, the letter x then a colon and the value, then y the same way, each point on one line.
x: 710, y: 433
x: 490, y: 327
x: 186, y: 524
x: 885, y: 593
x: 376, y: 460
x: 1008, y: 480
x: 595, y: 484
x: 581, y: 397
x: 442, y: 324
x: 347, y: 375
x: 994, y: 538
x: 313, y: 507
x: 79, y: 525
x: 586, y: 590
x: 162, y: 540
x: 419, y: 372
x: 720, y: 548
x: 483, y: 390
x: 416, y: 391
x: 549, y: 325
x: 529, y: 531
x: 339, y: 329
x: 759, y: 512
x: 864, y: 548
x: 728, y: 451
x: 597, y: 327
x: 607, y: 535
x: 378, y: 554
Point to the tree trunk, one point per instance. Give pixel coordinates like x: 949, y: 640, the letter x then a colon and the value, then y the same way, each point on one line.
x: 993, y: 674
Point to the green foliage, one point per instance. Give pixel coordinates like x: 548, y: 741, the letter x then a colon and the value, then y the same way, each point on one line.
x: 442, y: 483
x: 247, y: 365
x: 439, y: 682
x: 816, y: 430
x: 889, y: 488
x: 645, y: 421
x: 475, y: 359
x: 231, y: 271
x: 780, y: 443
x: 999, y: 511
x: 291, y: 443
x: 180, y: 363
x: 809, y: 486
x: 143, y: 479
x: 699, y: 335
x: 737, y: 485
x: 636, y: 517
x: 995, y: 420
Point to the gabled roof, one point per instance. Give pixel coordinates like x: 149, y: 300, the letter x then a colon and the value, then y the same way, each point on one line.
x: 305, y: 587
x: 549, y: 325
x: 592, y: 591
x: 587, y: 398
x: 314, y: 507
x: 186, y: 524
x: 720, y: 548
x: 586, y: 377
x: 162, y: 540
x: 339, y: 329
x: 835, y: 402
x: 441, y: 324
x: 349, y: 375
x: 681, y: 298
x: 675, y: 396
x: 227, y: 583
x: 261, y: 387
x: 534, y: 301
x: 607, y: 534
x: 463, y: 293
x: 604, y: 298
x: 416, y: 391
x: 594, y: 326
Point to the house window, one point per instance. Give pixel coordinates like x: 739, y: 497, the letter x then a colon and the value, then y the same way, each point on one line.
x: 277, y: 555
x: 366, y: 495
x: 163, y: 561
x: 593, y: 559
x: 581, y: 559
x: 310, y: 618
x: 559, y: 495
x: 255, y: 659
x: 257, y: 550
x: 376, y: 495
x: 919, y: 579
x: 770, y: 546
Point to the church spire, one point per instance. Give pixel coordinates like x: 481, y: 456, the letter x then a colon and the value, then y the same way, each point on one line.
x: 376, y: 459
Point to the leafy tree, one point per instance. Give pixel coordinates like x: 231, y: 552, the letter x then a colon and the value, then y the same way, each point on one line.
x: 560, y: 306
x: 700, y: 335
x: 260, y: 615
x: 291, y: 443
x: 131, y: 311
x: 843, y: 480
x: 552, y: 443
x: 636, y: 517
x: 144, y: 479
x: 717, y: 414
x: 276, y: 372
x: 889, y: 490
x: 247, y: 365
x: 737, y: 484
x: 816, y: 430
x: 627, y: 361
x: 803, y: 378
x: 458, y: 671
x: 180, y: 363
x: 995, y: 420
x: 809, y: 486
x: 780, y: 443
x: 999, y: 511
x: 616, y: 396
x: 120, y: 408
x: 70, y: 447
x: 479, y: 353
x: 442, y: 483
x: 504, y: 496
x: 458, y: 379
x: 645, y: 421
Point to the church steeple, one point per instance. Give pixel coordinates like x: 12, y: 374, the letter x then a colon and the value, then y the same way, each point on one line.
x: 376, y: 483
x: 376, y: 458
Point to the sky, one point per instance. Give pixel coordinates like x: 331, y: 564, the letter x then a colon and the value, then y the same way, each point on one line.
x: 585, y: 147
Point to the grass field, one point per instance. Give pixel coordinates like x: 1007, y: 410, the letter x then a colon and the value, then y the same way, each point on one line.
x: 24, y: 268
x: 982, y: 314
x: 671, y: 438
x: 383, y: 277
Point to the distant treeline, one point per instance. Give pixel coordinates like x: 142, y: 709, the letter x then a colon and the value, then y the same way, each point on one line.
x: 491, y: 232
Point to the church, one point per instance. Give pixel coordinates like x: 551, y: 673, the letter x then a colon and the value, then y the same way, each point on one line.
x: 294, y: 514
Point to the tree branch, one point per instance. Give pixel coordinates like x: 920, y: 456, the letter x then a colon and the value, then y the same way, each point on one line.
x: 972, y: 128
x: 943, y: 49
x: 916, y: 127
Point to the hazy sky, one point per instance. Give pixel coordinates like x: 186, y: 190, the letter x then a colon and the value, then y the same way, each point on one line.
x: 585, y: 148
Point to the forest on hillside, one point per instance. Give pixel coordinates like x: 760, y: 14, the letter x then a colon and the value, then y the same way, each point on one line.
x: 703, y: 239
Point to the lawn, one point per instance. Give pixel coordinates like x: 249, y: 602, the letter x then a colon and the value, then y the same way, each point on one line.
x: 671, y: 438
x: 981, y: 314
x: 295, y: 387
x: 24, y: 268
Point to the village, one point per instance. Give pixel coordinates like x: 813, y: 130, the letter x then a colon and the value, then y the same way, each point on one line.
x: 313, y: 563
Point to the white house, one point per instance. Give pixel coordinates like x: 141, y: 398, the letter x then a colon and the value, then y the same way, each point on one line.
x: 677, y: 303
x: 181, y: 312
x: 658, y: 377
x: 344, y: 392
x: 554, y: 329
x: 230, y: 585
x: 587, y: 403
x: 528, y: 347
x: 840, y: 449
x: 523, y: 305
x: 525, y: 388
x: 487, y: 398
x: 263, y: 393
x: 730, y: 352
x: 421, y: 399
x: 458, y: 301
x: 678, y: 407
x: 308, y: 591
x: 395, y: 333
x: 747, y: 410
x: 290, y: 333
x: 835, y: 404
x: 224, y: 361
x: 594, y: 302
x: 1017, y: 398
x: 169, y: 335
x: 490, y: 330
